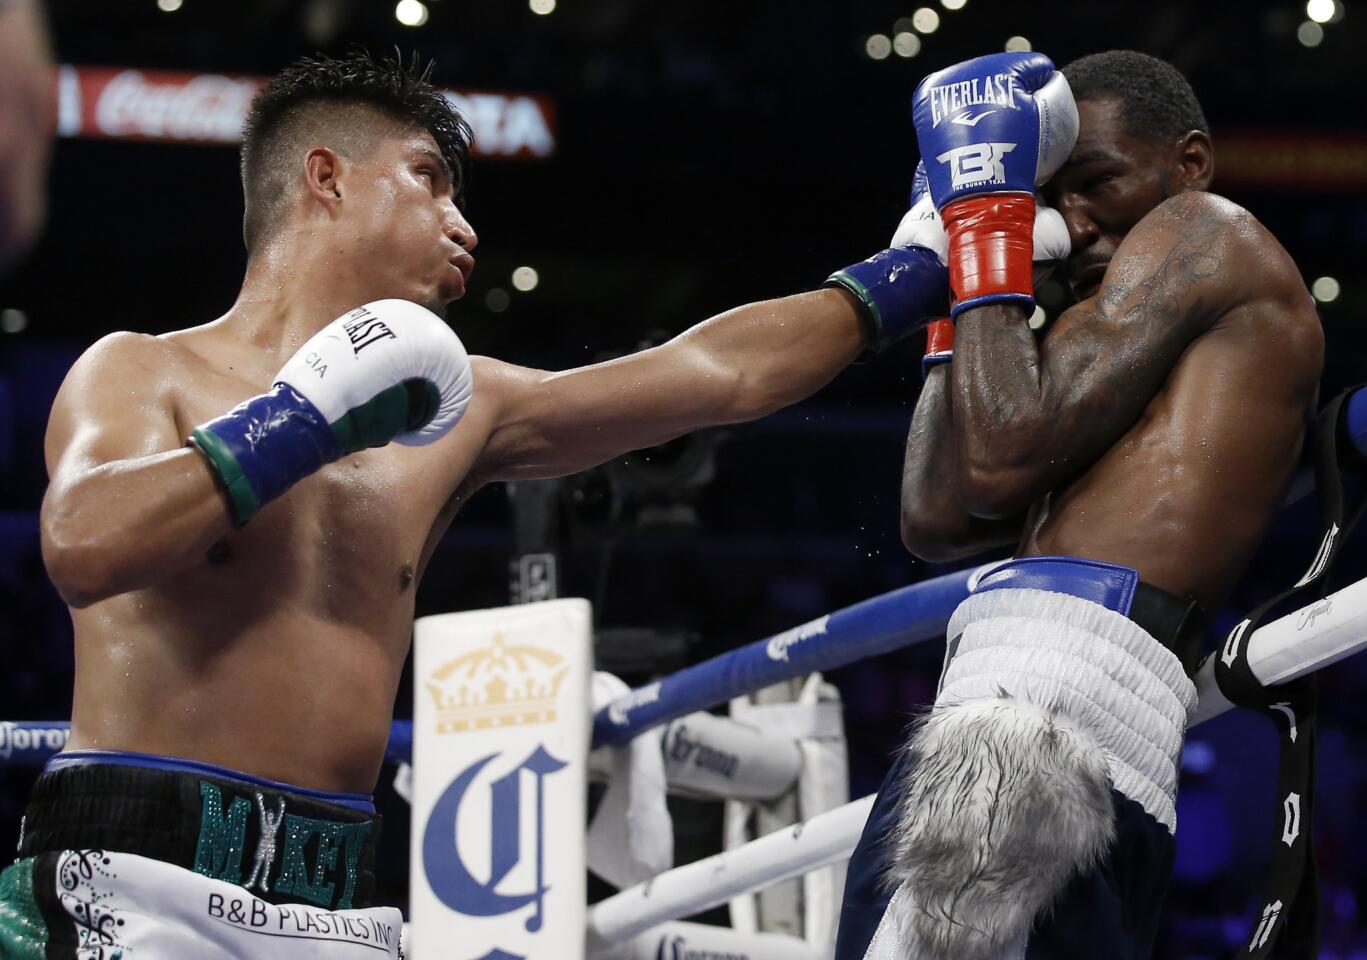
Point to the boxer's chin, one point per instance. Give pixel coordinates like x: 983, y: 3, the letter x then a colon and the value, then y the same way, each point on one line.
x: 1004, y: 803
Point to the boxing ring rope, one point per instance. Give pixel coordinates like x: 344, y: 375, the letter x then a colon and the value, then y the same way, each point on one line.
x: 1303, y: 641
x: 900, y: 618
x: 771, y: 762
x: 881, y: 624
x: 826, y: 838
x: 29, y: 743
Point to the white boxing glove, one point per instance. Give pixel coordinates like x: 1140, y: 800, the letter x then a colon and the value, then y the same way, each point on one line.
x: 389, y: 370
x: 348, y: 370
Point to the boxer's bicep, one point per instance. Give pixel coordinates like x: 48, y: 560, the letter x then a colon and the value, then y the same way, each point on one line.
x: 113, y: 405
x: 1106, y: 358
x: 128, y: 504
x: 1164, y: 287
x: 555, y: 423
x: 737, y: 366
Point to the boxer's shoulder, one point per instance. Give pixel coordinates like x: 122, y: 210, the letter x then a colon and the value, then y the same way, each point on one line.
x: 133, y: 364
x: 153, y: 359
x: 499, y: 386
x: 1269, y: 308
x: 1251, y: 257
x: 127, y: 347
x: 1238, y: 272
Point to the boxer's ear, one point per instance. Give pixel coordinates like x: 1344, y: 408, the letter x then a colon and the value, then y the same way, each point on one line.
x: 322, y: 176
x: 1193, y: 161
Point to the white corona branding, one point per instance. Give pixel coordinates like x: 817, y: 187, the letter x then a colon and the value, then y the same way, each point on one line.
x: 619, y: 711
x: 951, y: 100
x: 1308, y: 615
x: 14, y: 737
x: 500, y: 685
x: 677, y: 948
x: 778, y: 645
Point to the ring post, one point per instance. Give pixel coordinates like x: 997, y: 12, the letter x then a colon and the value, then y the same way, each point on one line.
x: 500, y: 761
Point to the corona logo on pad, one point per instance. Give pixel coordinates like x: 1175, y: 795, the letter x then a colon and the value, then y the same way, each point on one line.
x: 497, y: 686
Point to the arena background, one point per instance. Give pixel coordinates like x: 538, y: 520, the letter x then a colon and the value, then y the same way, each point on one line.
x: 704, y: 154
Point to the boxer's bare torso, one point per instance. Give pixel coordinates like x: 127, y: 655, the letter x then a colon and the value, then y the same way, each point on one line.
x: 1186, y: 493
x: 1157, y: 422
x: 276, y: 648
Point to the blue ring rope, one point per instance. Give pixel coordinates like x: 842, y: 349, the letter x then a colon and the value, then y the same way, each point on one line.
x: 911, y: 614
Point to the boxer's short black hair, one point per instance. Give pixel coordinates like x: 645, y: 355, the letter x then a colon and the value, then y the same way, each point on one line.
x: 1157, y: 101
x: 343, y: 103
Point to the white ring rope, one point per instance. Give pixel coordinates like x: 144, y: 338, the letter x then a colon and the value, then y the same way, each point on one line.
x: 826, y: 838
x: 1301, y: 642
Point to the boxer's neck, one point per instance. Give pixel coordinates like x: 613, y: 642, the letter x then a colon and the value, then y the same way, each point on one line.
x: 293, y: 287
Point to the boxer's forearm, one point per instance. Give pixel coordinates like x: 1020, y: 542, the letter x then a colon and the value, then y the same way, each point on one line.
x: 130, y: 524
x: 737, y: 366
x: 997, y: 400
x: 778, y: 352
x: 1030, y: 417
x: 936, y: 526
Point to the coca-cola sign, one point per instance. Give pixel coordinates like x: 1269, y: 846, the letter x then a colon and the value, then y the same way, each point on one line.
x: 210, y: 108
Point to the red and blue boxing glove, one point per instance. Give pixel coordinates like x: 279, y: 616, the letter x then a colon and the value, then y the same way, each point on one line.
x: 990, y: 130
x: 922, y: 227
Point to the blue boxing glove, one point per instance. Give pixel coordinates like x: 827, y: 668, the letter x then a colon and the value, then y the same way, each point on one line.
x: 923, y: 223
x: 390, y: 370
x: 990, y: 130
x: 906, y: 286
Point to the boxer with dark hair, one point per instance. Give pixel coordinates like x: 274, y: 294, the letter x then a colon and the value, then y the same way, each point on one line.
x: 1133, y: 452
x: 240, y: 541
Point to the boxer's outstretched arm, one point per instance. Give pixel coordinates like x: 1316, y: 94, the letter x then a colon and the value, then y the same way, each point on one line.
x: 737, y: 366
x: 128, y: 503
x: 936, y: 526
x: 1029, y: 418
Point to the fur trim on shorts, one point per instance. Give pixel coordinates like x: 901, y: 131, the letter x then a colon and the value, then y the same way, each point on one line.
x: 1003, y: 804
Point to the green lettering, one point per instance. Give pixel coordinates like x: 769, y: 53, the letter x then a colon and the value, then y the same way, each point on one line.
x: 294, y: 876
x: 218, y: 853
x: 326, y: 857
x: 354, y: 837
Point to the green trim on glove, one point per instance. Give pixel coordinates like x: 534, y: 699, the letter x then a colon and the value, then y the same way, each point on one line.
x: 842, y: 278
x: 377, y: 421
x: 241, y: 497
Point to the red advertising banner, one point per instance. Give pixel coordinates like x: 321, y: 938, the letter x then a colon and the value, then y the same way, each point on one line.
x: 1288, y: 160
x: 209, y: 108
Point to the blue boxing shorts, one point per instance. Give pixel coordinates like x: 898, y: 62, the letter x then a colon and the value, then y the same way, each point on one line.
x: 1030, y: 815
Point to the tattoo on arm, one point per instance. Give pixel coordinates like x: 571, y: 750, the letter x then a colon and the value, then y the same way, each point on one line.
x: 936, y: 525
x: 1042, y: 412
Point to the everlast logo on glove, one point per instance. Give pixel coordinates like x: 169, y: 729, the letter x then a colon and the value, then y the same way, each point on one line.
x: 998, y: 89
x: 366, y: 329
